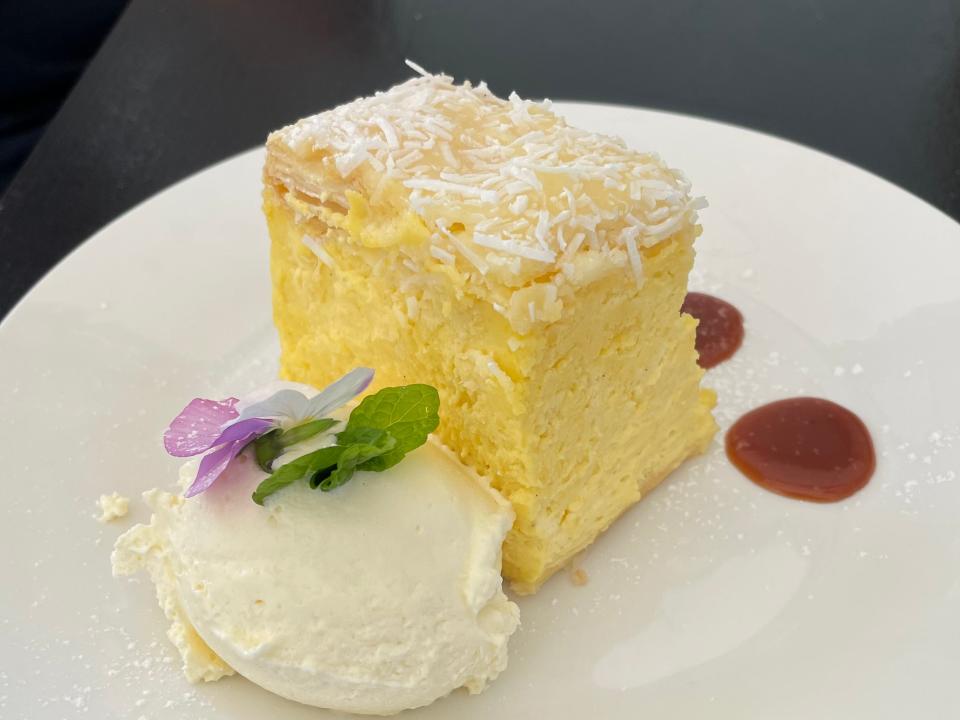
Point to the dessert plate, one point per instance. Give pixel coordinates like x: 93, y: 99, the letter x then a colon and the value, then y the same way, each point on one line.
x: 712, y: 598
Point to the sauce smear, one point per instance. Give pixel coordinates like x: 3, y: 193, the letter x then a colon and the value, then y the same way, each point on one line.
x: 805, y: 447
x: 720, y: 332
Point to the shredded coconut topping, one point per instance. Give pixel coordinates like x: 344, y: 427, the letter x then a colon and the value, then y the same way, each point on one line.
x: 502, y: 184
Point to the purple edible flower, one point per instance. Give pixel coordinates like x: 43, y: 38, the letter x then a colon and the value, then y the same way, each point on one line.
x: 297, y: 407
x: 197, y: 427
x: 216, y: 428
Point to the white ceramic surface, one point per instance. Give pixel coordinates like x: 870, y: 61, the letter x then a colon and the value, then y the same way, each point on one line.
x: 713, y: 598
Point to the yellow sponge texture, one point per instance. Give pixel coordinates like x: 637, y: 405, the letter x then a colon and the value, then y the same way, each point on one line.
x: 575, y: 404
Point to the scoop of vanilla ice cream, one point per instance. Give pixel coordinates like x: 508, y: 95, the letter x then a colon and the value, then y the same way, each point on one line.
x: 382, y: 595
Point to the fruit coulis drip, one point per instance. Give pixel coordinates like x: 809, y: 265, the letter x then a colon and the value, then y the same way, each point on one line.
x: 805, y: 447
x: 720, y: 332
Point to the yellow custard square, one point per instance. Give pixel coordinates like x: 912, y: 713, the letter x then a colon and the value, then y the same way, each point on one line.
x: 531, y: 271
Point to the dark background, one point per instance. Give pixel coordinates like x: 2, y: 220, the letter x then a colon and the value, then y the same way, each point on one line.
x: 178, y: 85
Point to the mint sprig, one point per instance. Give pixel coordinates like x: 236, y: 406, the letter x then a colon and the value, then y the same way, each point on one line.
x: 304, y: 466
x: 409, y: 413
x: 353, y: 457
x: 270, y: 446
x: 381, y: 430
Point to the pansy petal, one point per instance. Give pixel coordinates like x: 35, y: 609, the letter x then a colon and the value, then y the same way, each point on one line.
x: 197, y: 427
x: 339, y: 393
x: 286, y: 403
x: 213, y: 464
x: 243, y: 428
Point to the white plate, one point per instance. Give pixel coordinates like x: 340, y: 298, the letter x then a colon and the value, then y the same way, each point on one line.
x: 713, y: 598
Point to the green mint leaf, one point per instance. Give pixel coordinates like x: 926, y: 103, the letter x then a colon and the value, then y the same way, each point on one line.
x: 266, y: 449
x: 409, y: 414
x: 354, y: 456
x: 306, y: 431
x: 304, y: 466
x: 319, y: 476
x: 369, y: 436
x: 344, y: 470
x: 380, y: 431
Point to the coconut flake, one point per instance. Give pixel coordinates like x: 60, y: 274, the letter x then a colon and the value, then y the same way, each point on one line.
x: 629, y: 237
x: 512, y: 247
x: 416, y: 68
x: 388, y: 132
x: 442, y: 255
x: 519, y: 204
x: 477, y: 261
x: 317, y: 249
